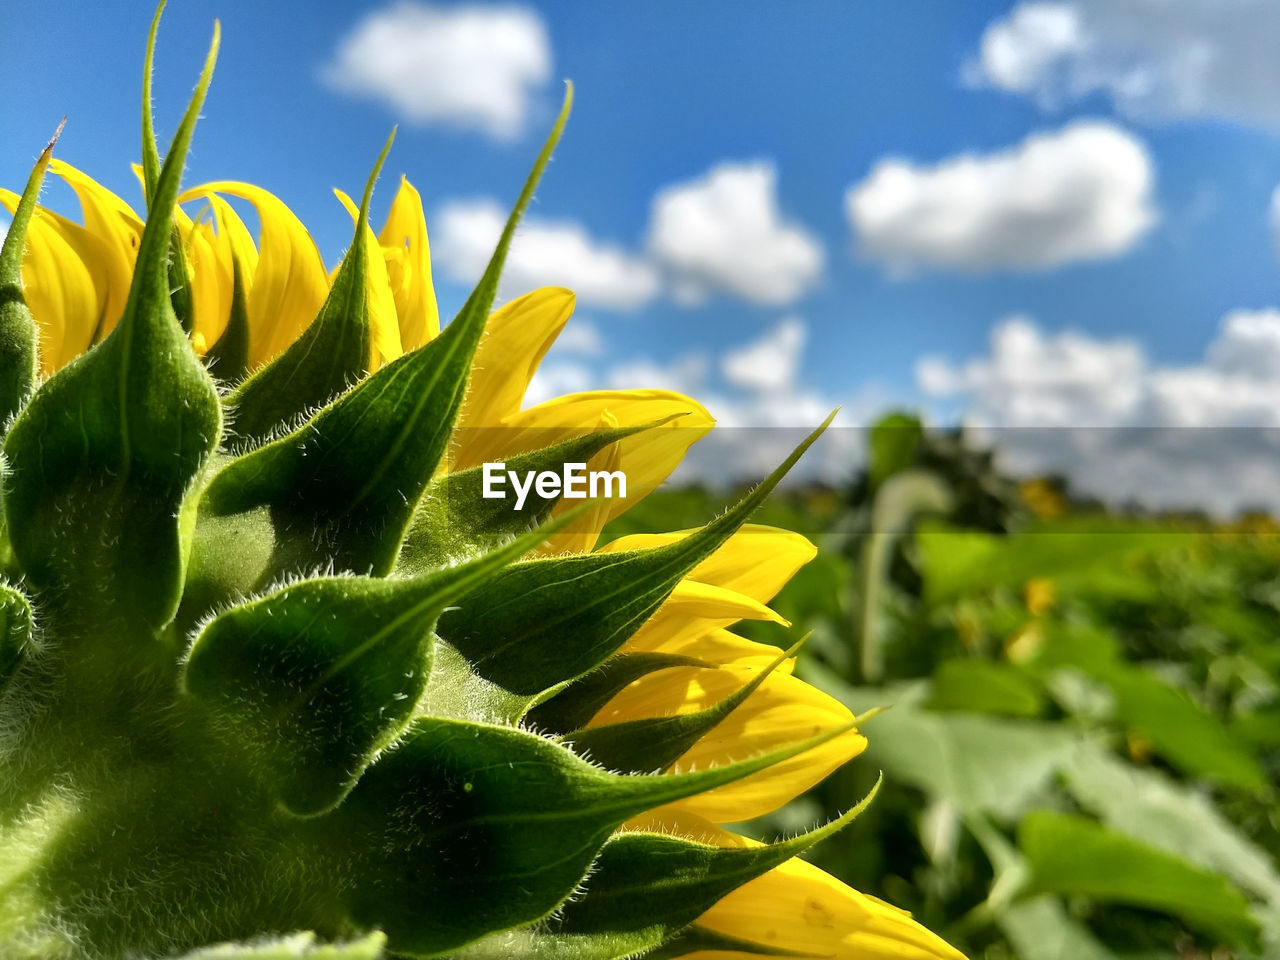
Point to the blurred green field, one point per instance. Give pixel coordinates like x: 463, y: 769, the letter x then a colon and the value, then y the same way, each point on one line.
x: 1082, y: 753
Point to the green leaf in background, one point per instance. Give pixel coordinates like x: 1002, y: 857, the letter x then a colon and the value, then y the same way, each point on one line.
x: 1187, y: 736
x: 1074, y: 856
x: 892, y: 445
x: 958, y: 561
x: 982, y: 764
x: 981, y: 686
x: 1152, y: 807
x: 1040, y: 929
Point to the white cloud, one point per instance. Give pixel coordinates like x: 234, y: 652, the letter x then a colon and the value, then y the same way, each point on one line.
x: 725, y: 233
x: 544, y: 252
x: 1202, y: 434
x: 1156, y: 60
x: 770, y: 363
x: 1081, y: 193
x: 757, y: 427
x: 582, y: 338
x: 471, y: 66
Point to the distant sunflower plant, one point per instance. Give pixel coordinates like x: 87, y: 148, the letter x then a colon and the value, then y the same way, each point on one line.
x: 275, y: 681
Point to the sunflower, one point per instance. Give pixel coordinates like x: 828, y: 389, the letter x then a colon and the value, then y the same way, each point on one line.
x: 245, y: 297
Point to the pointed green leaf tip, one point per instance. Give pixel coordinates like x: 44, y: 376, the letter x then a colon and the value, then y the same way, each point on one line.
x: 645, y: 887
x: 18, y: 339
x: 179, y: 276
x: 502, y: 826
x: 102, y: 456
x: 351, y: 477
x: 318, y: 676
x: 334, y: 352
x: 539, y: 624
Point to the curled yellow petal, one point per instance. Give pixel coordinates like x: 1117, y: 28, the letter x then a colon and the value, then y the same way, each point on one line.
x: 516, y: 338
x: 714, y: 645
x: 757, y: 560
x: 799, y: 908
x: 64, y: 281
x: 694, y: 610
x: 289, y: 284
x: 403, y: 239
x: 384, y: 326
x: 118, y: 231
x: 646, y: 458
x: 782, y: 712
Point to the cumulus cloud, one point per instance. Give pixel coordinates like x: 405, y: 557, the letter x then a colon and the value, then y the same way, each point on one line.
x: 770, y: 363
x: 760, y: 418
x: 1161, y: 60
x: 1124, y: 427
x: 470, y: 66
x: 1080, y: 193
x: 545, y: 252
x: 581, y: 337
x: 725, y: 233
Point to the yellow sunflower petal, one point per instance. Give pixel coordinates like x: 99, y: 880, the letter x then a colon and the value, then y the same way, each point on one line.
x: 646, y: 458
x: 782, y: 712
x: 117, y: 228
x: 408, y: 255
x: 695, y: 610
x: 290, y: 283
x: 800, y: 908
x: 711, y: 644
x: 64, y: 281
x: 515, y: 340
x: 212, y: 248
x: 757, y: 560
x: 384, y: 326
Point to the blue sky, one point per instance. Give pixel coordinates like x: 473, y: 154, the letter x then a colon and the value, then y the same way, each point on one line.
x: 1116, y: 247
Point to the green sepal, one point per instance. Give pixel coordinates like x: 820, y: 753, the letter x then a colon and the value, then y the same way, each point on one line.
x: 19, y: 343
x: 102, y: 456
x: 314, y: 679
x: 696, y: 939
x: 454, y: 520
x: 645, y: 887
x: 298, y: 946
x: 334, y: 351
x: 179, y: 276
x: 491, y: 826
x: 15, y: 631
x: 228, y: 359
x: 574, y: 706
x: 539, y: 624
x: 655, y: 743
x: 346, y: 483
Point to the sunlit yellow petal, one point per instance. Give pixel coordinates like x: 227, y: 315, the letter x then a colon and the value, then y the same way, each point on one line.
x: 646, y: 458
x: 384, y: 326
x: 757, y: 560
x: 118, y: 230
x: 408, y: 255
x: 800, y: 908
x: 692, y: 611
x: 782, y: 712
x: 516, y: 338
x: 712, y: 645
x: 59, y: 284
x: 290, y: 283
